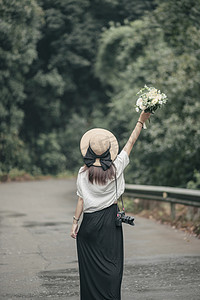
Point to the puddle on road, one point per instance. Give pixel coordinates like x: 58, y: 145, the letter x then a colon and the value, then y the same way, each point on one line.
x: 43, y: 224
x: 55, y: 284
x: 5, y: 214
x: 17, y: 215
x: 12, y: 214
x: 61, y: 282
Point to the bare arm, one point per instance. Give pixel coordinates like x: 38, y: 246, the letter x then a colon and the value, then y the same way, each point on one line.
x: 78, y: 212
x: 136, y: 132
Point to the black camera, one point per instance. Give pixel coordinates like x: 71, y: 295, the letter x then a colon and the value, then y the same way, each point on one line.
x: 122, y: 218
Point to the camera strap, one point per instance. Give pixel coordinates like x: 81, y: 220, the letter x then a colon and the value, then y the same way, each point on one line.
x: 116, y: 189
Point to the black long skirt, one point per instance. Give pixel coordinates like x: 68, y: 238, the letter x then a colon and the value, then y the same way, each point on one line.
x: 100, y: 255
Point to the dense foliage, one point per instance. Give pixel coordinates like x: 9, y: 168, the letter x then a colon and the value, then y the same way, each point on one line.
x: 68, y: 66
x: 19, y: 33
x: 162, y: 50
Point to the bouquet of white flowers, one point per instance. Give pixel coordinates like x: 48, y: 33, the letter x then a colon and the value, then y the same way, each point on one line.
x: 149, y: 100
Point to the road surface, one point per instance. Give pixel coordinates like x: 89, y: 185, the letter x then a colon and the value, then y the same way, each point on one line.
x: 39, y: 259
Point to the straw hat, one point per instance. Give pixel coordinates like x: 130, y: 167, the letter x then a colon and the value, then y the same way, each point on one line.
x: 99, y: 140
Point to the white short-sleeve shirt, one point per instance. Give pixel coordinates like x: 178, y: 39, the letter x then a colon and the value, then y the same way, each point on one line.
x: 96, y: 197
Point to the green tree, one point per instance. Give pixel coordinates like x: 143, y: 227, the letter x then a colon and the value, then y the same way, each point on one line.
x: 156, y: 51
x: 19, y: 32
x: 48, y: 83
x: 61, y: 83
x: 48, y: 154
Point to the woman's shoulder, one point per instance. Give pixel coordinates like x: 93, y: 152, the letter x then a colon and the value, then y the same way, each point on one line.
x: 122, y: 160
x: 81, y: 170
x: 122, y: 156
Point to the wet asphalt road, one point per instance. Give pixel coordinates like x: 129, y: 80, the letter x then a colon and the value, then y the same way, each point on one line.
x: 38, y: 257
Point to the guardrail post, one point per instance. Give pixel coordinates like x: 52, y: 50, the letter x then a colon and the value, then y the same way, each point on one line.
x: 173, y: 210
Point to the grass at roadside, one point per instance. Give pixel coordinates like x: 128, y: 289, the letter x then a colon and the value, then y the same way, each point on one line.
x: 187, y: 218
x: 21, y: 175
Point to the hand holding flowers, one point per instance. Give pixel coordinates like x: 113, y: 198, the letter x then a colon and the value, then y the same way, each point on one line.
x: 144, y: 117
x: 149, y: 100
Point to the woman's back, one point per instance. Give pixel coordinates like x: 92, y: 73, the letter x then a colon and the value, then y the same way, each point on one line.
x: 95, y: 196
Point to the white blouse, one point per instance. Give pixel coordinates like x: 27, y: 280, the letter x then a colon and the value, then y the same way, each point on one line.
x: 96, y: 197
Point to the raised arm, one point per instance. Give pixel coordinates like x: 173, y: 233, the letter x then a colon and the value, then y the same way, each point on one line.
x: 136, y: 132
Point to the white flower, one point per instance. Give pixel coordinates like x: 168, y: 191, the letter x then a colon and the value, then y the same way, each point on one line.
x: 137, y: 109
x: 142, y: 107
x: 155, y: 100
x: 139, y: 101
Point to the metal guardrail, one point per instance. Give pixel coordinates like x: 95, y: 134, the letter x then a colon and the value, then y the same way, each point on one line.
x: 166, y: 194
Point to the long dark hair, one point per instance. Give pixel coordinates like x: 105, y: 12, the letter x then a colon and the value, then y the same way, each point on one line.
x: 98, y: 175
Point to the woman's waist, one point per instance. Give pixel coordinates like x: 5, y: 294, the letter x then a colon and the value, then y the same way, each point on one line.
x: 94, y: 210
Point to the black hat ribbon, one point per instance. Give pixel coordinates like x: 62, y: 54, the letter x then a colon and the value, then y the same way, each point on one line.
x: 105, y: 158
